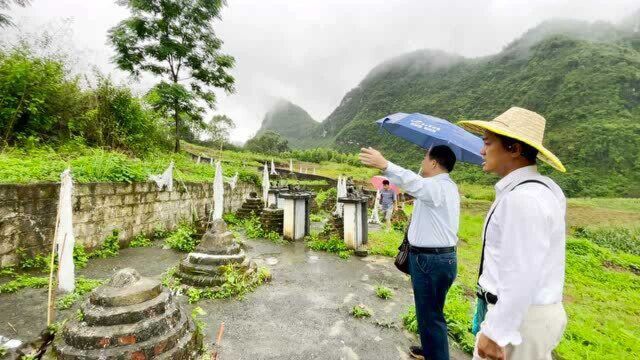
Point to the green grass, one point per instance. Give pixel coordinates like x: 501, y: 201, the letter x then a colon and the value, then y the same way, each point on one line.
x: 383, y: 292
x: 622, y: 204
x: 385, y: 243
x: 44, y: 164
x: 361, y: 311
x: 477, y: 192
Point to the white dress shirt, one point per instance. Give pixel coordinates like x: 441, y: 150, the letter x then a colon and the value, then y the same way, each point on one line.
x: 436, y: 210
x: 524, y: 257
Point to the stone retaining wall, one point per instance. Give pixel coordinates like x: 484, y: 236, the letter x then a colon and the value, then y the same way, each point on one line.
x: 28, y: 212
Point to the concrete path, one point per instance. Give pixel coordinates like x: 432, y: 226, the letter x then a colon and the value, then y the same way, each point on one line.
x: 302, y: 314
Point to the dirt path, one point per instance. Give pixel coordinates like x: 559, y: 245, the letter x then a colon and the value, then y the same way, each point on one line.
x: 302, y: 314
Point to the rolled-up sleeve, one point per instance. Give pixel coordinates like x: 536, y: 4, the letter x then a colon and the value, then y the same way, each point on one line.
x: 425, y: 189
x: 524, y: 244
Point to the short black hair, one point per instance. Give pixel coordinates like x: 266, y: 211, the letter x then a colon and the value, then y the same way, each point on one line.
x: 444, y: 156
x: 528, y: 152
x: 385, y: 182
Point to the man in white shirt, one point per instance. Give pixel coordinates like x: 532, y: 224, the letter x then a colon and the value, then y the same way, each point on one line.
x: 432, y: 236
x: 523, y: 259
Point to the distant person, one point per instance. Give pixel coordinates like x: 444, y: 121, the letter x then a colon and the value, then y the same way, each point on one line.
x: 388, y: 202
x: 519, y: 313
x: 432, y: 235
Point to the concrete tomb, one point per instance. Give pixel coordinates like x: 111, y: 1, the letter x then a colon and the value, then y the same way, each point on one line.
x: 296, y: 223
x: 129, y: 317
x: 218, y: 247
x: 355, y: 217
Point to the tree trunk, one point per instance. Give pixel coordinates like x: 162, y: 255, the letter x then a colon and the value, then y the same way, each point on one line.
x: 176, y: 116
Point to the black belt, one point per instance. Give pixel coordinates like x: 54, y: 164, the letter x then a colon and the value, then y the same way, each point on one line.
x: 434, y: 250
x: 486, y: 296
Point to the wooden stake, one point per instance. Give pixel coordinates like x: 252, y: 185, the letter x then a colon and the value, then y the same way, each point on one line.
x: 214, y: 354
x: 50, y: 298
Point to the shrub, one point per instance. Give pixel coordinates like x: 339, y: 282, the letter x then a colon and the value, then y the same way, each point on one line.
x: 361, y: 311
x: 110, y: 247
x: 614, y: 238
x: 140, y: 240
x: 183, y: 238
x: 384, y: 292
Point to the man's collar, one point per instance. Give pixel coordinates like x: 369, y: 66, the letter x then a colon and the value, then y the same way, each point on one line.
x: 515, y: 176
x: 440, y: 176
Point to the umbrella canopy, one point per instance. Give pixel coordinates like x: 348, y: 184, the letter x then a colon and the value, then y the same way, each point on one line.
x: 427, y: 131
x: 377, y: 182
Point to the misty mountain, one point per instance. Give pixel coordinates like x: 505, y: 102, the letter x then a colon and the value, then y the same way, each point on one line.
x: 290, y: 121
x: 583, y: 77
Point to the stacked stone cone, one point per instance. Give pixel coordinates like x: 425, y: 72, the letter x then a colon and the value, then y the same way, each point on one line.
x: 129, y: 318
x: 272, y: 219
x: 251, y: 205
x: 202, y: 268
x: 335, y: 226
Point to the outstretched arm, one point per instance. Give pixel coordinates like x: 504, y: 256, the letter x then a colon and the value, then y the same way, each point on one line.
x: 415, y: 185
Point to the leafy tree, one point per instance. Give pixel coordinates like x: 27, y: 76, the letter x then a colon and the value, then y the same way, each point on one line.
x: 269, y: 142
x: 5, y: 20
x: 219, y: 127
x: 175, y: 40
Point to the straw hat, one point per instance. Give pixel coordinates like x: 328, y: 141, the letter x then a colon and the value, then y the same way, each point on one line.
x: 520, y: 124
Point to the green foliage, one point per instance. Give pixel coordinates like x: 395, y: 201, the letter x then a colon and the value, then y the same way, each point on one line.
x: 384, y: 242
x: 333, y: 244
x: 21, y: 281
x: 614, y: 238
x: 383, y: 292
x: 39, y: 100
x: 477, y: 192
x: 361, y: 311
x: 319, y: 155
x: 231, y: 219
x: 273, y: 237
x: 238, y: 283
x: 183, y: 237
x: 32, y: 262
x: 83, y: 286
x: 269, y: 142
x: 80, y: 256
x: 140, y: 240
x: 196, y: 314
x: 317, y: 217
x: 252, y: 227
x: 322, y: 196
x: 176, y: 41
x: 110, y: 246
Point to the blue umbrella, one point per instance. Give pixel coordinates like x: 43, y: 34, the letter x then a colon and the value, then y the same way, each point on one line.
x: 427, y: 131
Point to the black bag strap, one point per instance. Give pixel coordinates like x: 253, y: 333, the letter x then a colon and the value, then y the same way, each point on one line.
x: 486, y: 226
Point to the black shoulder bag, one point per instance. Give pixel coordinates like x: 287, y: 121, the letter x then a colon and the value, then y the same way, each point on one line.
x: 402, y: 259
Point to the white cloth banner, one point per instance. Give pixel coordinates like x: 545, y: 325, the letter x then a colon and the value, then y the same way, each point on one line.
x: 375, y: 217
x: 265, y: 184
x: 65, y: 239
x: 165, y: 179
x: 273, y: 168
x: 290, y: 165
x: 232, y: 181
x: 218, y: 193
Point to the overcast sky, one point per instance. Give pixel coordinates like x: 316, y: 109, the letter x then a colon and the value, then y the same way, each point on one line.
x: 312, y: 52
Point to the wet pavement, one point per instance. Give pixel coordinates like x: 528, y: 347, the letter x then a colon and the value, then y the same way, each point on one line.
x: 303, y: 313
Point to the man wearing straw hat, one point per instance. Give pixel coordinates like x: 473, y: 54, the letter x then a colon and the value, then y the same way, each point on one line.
x: 519, y: 313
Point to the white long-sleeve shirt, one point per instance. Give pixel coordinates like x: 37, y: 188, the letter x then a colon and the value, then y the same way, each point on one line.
x: 436, y: 210
x: 524, y: 257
